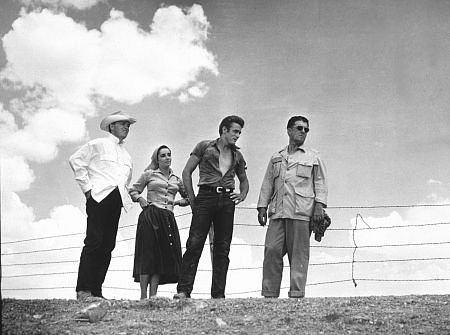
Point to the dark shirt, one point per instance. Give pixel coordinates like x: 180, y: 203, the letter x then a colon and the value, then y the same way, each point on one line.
x: 209, y: 170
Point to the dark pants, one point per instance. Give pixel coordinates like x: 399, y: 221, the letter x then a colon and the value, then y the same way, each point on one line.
x: 209, y: 207
x: 101, y: 231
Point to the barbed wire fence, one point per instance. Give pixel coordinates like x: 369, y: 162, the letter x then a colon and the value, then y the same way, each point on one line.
x: 353, y: 278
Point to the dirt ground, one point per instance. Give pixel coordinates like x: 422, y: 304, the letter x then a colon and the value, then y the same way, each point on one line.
x: 424, y: 314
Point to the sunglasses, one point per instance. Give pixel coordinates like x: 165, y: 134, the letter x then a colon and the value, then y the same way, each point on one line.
x: 301, y: 128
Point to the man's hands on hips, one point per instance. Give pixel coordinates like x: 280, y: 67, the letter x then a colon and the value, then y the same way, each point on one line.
x: 318, y: 212
x: 262, y: 215
x: 237, y: 197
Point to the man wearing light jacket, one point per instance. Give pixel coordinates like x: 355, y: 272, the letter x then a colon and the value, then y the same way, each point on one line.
x: 294, y: 190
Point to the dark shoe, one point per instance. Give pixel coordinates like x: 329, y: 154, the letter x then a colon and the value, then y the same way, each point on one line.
x: 83, y: 295
x: 219, y: 297
x: 181, y: 295
x: 99, y: 296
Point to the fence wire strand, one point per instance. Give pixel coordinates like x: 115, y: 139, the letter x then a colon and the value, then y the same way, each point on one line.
x: 359, y: 221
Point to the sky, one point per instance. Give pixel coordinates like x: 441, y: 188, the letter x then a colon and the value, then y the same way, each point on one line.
x: 373, y: 78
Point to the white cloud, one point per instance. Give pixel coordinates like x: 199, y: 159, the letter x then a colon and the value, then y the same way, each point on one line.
x: 434, y: 181
x: 412, y: 228
x: 77, y: 4
x: 136, y: 63
x: 70, y: 64
x: 42, y: 133
x: 18, y: 220
x: 120, y: 61
x: 19, y: 223
x: 64, y: 54
x: 418, y: 226
x: 199, y: 90
x: 61, y: 64
x: 16, y: 174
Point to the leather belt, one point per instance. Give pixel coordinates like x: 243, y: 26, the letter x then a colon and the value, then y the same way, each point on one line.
x: 216, y: 189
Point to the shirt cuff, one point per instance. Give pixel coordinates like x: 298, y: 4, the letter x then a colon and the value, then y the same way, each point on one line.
x: 85, y: 188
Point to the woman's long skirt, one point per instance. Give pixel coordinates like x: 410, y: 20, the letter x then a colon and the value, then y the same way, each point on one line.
x: 158, y: 246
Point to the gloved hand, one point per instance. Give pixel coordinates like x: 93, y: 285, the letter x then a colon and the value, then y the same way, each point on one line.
x: 319, y: 228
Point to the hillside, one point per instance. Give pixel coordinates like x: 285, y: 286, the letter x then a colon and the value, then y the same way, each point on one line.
x: 425, y: 314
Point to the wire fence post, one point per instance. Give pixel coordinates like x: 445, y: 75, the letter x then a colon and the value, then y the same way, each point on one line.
x: 355, y: 246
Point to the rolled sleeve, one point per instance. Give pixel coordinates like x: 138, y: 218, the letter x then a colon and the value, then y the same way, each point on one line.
x: 241, y: 165
x: 136, y: 189
x: 320, y: 182
x: 199, y: 149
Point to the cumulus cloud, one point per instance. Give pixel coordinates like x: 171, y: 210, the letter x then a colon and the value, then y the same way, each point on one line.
x: 16, y: 174
x: 77, y: 4
x: 434, y: 182
x: 71, y: 65
x: 197, y: 91
x: 119, y: 61
x: 426, y: 229
x: 412, y: 228
x: 43, y: 132
x: 18, y: 223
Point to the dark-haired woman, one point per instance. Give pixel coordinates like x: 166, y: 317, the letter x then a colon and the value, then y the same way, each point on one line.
x: 157, y: 257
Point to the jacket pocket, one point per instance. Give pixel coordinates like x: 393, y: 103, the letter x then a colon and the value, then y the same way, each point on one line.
x: 304, y: 170
x: 273, y: 204
x: 304, y: 203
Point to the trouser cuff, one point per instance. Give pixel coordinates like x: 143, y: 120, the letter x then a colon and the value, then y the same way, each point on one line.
x: 271, y: 294
x: 296, y: 294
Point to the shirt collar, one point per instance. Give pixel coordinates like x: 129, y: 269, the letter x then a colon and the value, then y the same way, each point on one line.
x: 170, y: 172
x: 295, y: 147
x: 233, y: 148
x: 114, y: 139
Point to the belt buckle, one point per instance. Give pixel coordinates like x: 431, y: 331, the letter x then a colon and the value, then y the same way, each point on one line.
x: 220, y: 189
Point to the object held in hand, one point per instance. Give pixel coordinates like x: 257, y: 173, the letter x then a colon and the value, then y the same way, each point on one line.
x: 319, y: 228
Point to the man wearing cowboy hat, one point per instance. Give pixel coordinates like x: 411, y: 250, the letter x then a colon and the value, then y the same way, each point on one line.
x: 102, y: 168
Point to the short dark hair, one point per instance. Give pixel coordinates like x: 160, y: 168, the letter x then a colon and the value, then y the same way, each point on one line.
x: 229, y: 120
x: 296, y: 118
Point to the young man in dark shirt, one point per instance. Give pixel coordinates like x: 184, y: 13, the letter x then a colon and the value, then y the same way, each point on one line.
x: 219, y: 161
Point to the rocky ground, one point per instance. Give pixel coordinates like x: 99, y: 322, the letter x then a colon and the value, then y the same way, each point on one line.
x: 425, y: 314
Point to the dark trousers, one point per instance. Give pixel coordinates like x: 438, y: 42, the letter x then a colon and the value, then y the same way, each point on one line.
x: 209, y: 207
x: 101, y: 232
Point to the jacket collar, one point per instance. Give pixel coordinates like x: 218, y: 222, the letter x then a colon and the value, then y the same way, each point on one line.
x: 284, y: 152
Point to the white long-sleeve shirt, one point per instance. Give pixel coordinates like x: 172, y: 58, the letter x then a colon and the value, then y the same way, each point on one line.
x: 100, y: 166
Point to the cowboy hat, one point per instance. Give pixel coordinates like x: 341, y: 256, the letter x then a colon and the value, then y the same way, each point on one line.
x: 114, y: 117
